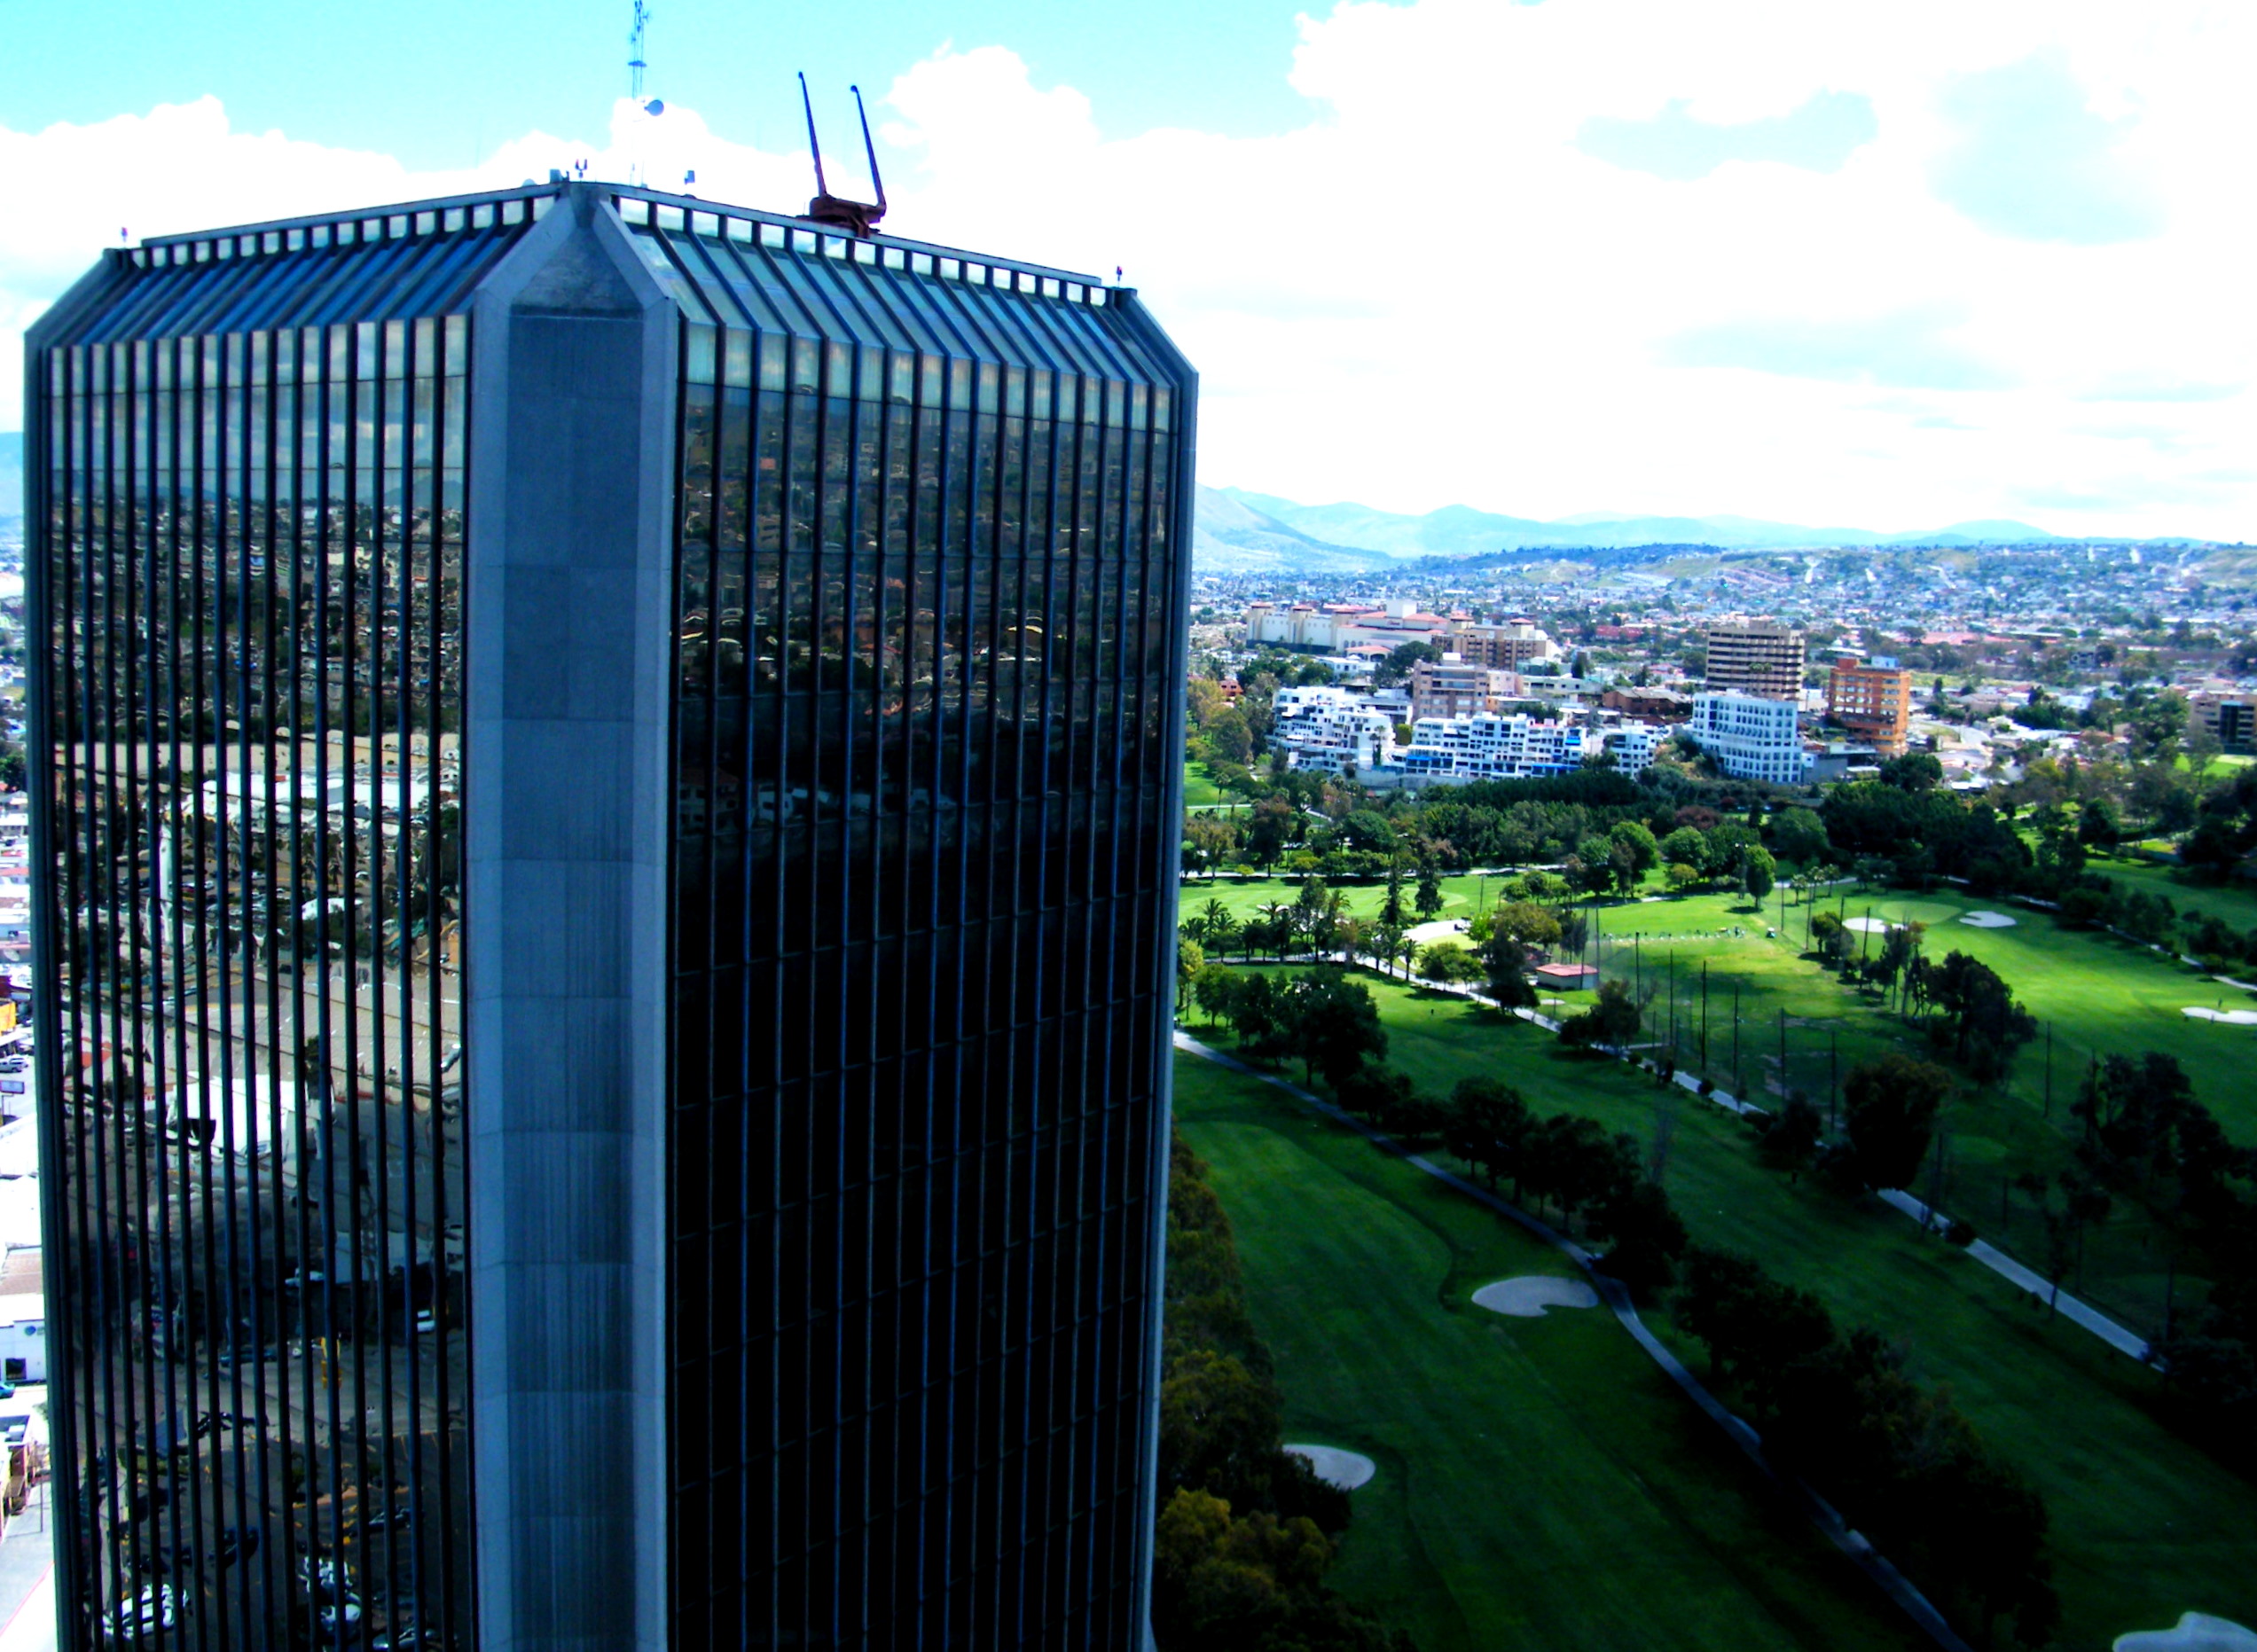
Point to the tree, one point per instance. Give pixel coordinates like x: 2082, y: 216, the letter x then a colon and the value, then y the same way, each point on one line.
x: 1228, y: 738
x: 1686, y: 846
x: 1891, y: 1106
x: 1648, y: 1234
x: 1429, y: 898
x: 1757, y: 869
x: 1332, y: 1024
x: 1486, y: 1123
x: 1397, y: 665
x: 1448, y: 963
x: 1681, y: 876
x: 1980, y: 1020
x: 1831, y: 938
x: 1612, y: 1022
x: 1219, y: 1426
x: 1633, y: 853
x: 1269, y: 831
x: 1392, y: 910
x: 1915, y: 772
x: 1216, y: 925
x: 1591, y: 868
x: 1368, y: 829
x: 1210, y: 990
x: 1190, y: 959
x: 1799, y: 835
x: 1252, y: 1009
x: 1791, y: 1137
x: 1207, y: 840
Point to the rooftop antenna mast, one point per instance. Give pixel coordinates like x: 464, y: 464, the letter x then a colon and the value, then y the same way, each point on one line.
x: 635, y: 64
x: 856, y: 217
x: 635, y: 67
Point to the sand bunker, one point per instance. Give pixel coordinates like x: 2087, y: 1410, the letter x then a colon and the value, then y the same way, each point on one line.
x: 1988, y: 921
x: 2197, y: 1632
x: 1869, y: 926
x: 1526, y: 1298
x: 1334, y: 1467
x: 2232, y: 1018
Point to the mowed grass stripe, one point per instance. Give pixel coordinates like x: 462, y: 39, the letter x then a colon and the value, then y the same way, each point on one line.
x: 1541, y: 1483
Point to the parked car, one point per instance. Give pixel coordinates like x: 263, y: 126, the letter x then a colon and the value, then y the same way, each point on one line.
x: 147, y: 1611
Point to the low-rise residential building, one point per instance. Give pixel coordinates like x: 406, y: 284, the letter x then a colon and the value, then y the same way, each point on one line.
x: 1751, y: 737
x: 1330, y: 729
x: 1873, y: 699
x: 1649, y: 705
x: 2231, y: 717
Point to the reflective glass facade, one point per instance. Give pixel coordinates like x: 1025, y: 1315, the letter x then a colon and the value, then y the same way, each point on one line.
x: 930, y: 586
x: 248, y: 579
x: 930, y: 529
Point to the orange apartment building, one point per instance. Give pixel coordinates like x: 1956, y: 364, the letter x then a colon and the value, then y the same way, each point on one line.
x: 1873, y: 699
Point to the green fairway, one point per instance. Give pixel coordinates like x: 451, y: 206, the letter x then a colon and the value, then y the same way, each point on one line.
x: 1541, y: 1483
x: 2234, y: 903
x: 2145, y: 1526
x: 1199, y: 788
x: 2092, y: 995
x: 1800, y: 1028
x: 1247, y: 898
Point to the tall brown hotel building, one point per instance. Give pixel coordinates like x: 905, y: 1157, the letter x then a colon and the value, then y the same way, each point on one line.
x: 1755, y: 657
x: 610, y: 766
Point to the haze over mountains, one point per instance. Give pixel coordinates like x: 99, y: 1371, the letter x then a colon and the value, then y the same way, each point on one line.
x: 1242, y: 532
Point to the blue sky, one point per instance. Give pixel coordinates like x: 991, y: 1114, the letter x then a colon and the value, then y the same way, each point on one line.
x: 435, y: 83
x: 1800, y: 259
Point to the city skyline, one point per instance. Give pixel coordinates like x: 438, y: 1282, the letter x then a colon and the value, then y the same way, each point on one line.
x: 1808, y: 267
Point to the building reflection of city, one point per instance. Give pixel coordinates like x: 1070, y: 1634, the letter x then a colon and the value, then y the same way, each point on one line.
x: 256, y: 698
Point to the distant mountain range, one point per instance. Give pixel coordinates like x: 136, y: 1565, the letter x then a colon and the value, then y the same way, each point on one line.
x: 1244, y: 532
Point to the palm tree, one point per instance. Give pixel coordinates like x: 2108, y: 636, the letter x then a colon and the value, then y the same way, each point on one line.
x: 1275, y: 912
x: 1408, y: 950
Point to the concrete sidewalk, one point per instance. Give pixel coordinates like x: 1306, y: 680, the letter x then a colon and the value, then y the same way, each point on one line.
x: 28, y: 1579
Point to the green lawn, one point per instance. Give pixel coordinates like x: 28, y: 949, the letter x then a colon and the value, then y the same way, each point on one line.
x: 2234, y: 903
x: 1199, y: 788
x: 2145, y: 1526
x: 1541, y: 1482
x: 2092, y: 994
x: 1247, y: 896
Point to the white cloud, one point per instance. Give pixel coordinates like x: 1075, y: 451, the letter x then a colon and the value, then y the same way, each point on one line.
x: 1430, y: 293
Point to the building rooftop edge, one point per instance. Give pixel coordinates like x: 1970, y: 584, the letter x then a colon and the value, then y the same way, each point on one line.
x: 617, y: 192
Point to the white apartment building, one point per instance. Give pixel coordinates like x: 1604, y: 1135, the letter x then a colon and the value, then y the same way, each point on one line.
x: 1485, y: 746
x: 1330, y: 729
x: 1750, y: 738
x: 1632, y: 745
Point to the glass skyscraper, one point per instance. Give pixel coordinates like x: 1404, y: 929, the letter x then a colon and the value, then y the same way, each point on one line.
x: 609, y: 770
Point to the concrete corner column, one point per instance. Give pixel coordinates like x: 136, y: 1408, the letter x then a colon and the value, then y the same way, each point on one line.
x: 566, y: 822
